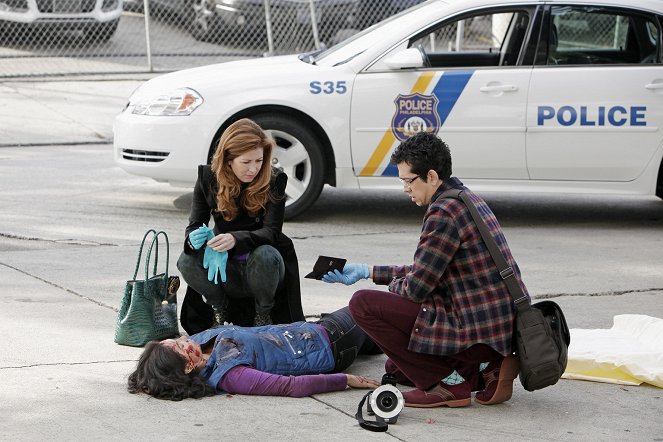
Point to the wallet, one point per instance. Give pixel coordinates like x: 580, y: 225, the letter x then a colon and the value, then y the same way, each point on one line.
x: 326, y: 264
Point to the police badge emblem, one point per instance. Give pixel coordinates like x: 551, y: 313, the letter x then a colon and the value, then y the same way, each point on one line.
x: 415, y: 113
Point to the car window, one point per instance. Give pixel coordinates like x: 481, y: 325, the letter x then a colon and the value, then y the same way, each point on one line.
x: 359, y: 42
x: 487, y: 39
x: 583, y: 35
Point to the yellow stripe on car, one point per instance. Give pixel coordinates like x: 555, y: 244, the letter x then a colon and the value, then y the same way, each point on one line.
x: 388, y: 138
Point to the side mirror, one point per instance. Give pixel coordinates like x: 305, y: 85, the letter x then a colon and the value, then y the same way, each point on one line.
x: 407, y: 58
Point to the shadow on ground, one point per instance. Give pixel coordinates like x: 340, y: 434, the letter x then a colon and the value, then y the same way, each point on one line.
x: 514, y: 210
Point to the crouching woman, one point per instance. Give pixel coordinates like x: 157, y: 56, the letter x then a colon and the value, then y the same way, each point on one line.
x: 296, y: 360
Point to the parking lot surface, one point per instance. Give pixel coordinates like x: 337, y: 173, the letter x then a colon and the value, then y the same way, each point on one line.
x: 69, y: 233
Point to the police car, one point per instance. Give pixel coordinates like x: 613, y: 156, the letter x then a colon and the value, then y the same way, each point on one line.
x: 536, y: 96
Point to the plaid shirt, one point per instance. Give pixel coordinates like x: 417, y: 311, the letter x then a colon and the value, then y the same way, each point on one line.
x: 463, y: 298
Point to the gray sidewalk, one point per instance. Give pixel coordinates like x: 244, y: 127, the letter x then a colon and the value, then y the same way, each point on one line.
x: 65, y: 379
x: 68, y: 240
x: 64, y: 110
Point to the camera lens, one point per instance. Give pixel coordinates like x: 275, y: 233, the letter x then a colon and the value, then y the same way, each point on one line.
x: 386, y: 401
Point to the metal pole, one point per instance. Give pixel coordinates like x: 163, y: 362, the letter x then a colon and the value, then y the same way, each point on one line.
x: 268, y: 23
x: 618, y: 29
x: 146, y: 11
x: 314, y: 25
x: 499, y: 26
x: 460, y: 30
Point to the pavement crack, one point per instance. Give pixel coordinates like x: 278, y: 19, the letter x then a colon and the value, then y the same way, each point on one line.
x: 58, y: 144
x: 87, y: 298
x: 349, y: 415
x: 68, y: 241
x: 57, y: 364
x: 348, y: 234
x: 606, y: 293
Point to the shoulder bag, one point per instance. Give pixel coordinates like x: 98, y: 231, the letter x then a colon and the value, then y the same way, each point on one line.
x: 541, y: 337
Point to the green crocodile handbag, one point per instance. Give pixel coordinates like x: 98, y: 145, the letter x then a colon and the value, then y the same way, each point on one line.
x: 148, y: 310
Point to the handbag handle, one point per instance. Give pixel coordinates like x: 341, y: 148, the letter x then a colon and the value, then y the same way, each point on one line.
x: 140, y: 252
x: 506, y: 271
x: 155, y: 241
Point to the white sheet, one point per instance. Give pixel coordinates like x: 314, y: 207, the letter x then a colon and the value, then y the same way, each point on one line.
x: 630, y: 353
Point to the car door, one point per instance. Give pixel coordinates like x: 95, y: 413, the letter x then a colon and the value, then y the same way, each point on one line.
x: 595, y: 103
x: 471, y: 91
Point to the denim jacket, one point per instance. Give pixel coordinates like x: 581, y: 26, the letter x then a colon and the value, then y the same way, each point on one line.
x: 284, y: 349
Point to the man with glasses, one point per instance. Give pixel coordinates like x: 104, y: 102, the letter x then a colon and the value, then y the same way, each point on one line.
x: 446, y: 322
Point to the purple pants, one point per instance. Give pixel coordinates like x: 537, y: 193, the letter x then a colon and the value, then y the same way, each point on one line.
x: 389, y: 319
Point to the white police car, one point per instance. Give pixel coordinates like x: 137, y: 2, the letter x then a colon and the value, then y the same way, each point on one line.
x: 544, y: 96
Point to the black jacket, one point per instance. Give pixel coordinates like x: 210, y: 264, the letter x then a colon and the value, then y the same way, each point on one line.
x: 249, y: 232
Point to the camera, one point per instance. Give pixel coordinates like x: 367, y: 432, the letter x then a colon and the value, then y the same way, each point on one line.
x: 385, y: 402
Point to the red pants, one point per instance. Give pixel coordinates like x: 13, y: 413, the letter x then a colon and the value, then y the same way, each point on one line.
x: 389, y: 319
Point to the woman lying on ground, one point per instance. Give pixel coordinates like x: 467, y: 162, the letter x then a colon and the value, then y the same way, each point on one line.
x: 296, y: 360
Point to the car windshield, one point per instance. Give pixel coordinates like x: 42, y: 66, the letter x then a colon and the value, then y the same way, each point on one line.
x: 346, y: 50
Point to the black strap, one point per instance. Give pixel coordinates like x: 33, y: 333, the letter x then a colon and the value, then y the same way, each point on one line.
x: 506, y: 272
x: 369, y: 425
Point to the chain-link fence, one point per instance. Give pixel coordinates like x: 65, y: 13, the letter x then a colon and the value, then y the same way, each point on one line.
x: 590, y: 29
x: 64, y: 37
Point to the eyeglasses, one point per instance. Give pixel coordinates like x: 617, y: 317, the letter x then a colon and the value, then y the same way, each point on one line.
x: 407, y: 182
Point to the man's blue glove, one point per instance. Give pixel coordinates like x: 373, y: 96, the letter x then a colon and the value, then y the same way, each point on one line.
x: 199, y: 236
x: 215, y: 263
x: 351, y: 274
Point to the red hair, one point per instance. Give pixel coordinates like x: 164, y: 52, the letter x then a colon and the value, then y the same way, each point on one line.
x: 240, y: 137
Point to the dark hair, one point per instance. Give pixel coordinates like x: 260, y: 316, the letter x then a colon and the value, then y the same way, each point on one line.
x: 160, y: 373
x: 423, y: 152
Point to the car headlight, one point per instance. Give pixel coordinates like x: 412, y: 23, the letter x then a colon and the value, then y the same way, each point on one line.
x: 178, y: 102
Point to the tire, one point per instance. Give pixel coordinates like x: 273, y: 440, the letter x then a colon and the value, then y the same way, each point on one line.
x: 101, y: 32
x: 298, y: 153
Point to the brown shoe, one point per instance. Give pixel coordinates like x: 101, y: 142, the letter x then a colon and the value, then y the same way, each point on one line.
x: 441, y: 395
x: 498, y: 378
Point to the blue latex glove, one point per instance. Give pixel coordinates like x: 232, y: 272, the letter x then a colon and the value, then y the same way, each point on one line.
x: 215, y: 263
x: 351, y: 274
x: 199, y: 236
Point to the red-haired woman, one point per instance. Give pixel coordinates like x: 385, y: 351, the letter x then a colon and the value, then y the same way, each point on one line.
x: 244, y: 270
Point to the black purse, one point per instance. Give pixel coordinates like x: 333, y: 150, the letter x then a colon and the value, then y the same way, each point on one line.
x: 541, y: 337
x: 148, y: 310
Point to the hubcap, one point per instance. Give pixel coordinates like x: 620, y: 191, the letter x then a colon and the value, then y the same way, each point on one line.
x: 291, y: 155
x: 201, y: 14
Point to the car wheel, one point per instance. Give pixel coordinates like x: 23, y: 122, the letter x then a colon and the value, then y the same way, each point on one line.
x: 298, y: 154
x: 201, y: 25
x: 101, y: 32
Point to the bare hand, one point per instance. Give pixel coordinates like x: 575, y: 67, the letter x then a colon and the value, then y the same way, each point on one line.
x: 222, y: 242
x: 361, y: 382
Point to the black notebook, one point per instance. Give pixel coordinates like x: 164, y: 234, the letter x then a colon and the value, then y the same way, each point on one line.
x: 326, y: 264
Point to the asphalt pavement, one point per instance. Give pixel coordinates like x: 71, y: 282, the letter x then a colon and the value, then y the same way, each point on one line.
x: 62, y: 110
x: 63, y: 378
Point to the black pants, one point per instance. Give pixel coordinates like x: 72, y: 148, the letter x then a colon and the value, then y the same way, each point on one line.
x: 347, y: 339
x: 258, y: 277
